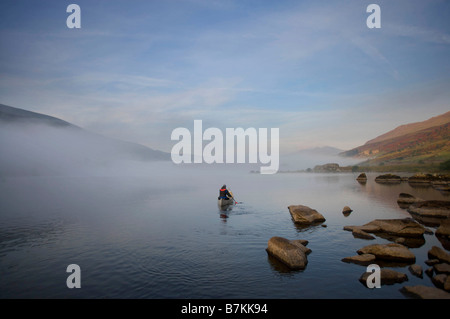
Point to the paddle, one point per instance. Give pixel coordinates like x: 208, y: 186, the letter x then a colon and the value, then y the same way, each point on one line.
x: 232, y: 196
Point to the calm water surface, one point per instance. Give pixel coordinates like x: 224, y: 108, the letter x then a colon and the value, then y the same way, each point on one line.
x: 160, y: 234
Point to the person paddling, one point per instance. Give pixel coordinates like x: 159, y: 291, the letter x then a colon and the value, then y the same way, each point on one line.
x: 224, y: 193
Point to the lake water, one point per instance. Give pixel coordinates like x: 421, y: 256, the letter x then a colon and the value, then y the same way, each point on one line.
x: 159, y: 234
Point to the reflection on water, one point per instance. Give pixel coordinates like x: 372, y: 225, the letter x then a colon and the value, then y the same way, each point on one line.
x: 154, y: 236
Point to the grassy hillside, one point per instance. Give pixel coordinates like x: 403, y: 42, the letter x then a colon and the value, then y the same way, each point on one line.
x: 419, y: 147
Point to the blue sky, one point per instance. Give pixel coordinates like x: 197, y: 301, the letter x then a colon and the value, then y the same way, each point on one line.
x: 136, y: 70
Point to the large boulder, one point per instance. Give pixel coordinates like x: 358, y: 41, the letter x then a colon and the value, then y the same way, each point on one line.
x: 389, y: 252
x: 425, y: 292
x: 405, y: 227
x: 291, y: 253
x: 305, y: 215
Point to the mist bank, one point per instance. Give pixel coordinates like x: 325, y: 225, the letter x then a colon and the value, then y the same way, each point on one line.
x: 34, y: 149
x: 310, y: 158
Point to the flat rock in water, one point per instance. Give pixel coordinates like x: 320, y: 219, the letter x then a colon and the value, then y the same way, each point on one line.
x: 404, y: 200
x: 359, y: 233
x: 431, y: 208
x: 388, y: 179
x: 364, y: 259
x: 389, y: 252
x: 442, y: 268
x: 438, y: 253
x: 405, y: 227
x: 305, y: 215
x: 444, y: 229
x: 431, y: 262
x: 288, y: 252
x: 387, y: 277
x: 425, y: 292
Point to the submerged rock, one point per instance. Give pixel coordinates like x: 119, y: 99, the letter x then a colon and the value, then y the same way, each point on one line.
x: 425, y: 292
x: 389, y: 252
x: 305, y: 215
x: 291, y: 253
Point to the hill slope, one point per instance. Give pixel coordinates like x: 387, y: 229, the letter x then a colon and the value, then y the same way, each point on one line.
x: 413, y: 127
x: 426, y: 142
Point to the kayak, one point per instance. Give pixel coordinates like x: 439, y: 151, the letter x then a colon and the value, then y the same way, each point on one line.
x: 225, y: 202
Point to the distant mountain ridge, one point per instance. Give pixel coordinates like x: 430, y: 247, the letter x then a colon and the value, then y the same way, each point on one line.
x: 421, y: 142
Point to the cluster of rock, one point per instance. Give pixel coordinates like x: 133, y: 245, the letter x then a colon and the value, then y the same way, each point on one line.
x: 440, y: 182
x: 331, y: 168
x: 399, y: 254
x: 293, y: 253
x: 404, y: 233
x: 435, y: 213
